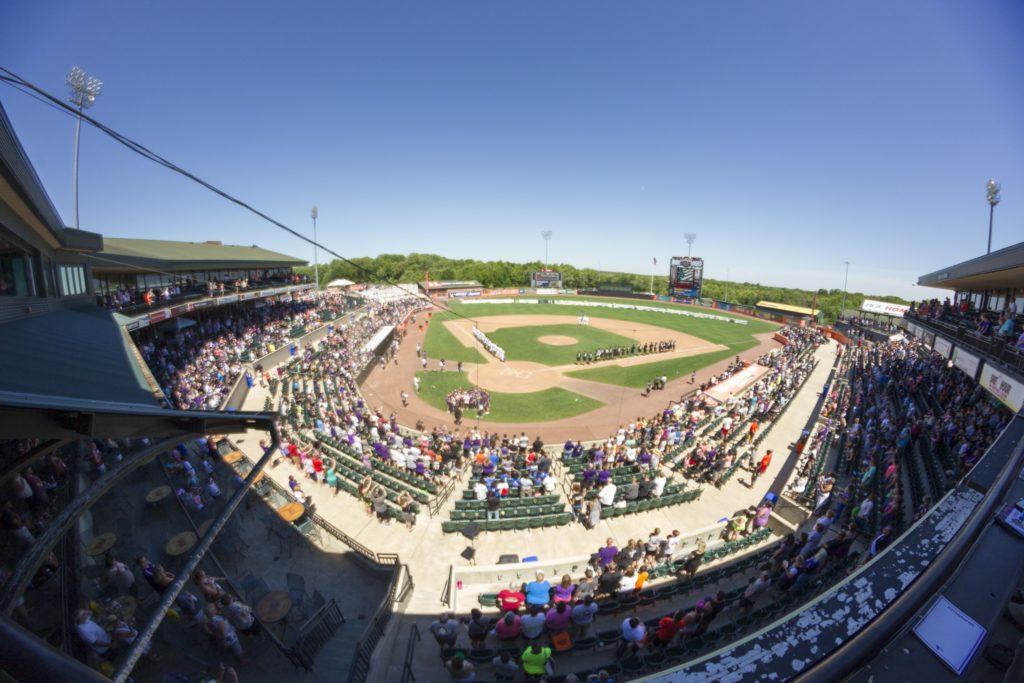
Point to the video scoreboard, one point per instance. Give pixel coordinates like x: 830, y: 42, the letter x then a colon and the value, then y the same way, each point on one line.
x: 546, y: 279
x: 686, y: 276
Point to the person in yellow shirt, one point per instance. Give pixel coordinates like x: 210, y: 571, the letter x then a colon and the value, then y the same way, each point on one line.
x: 535, y: 658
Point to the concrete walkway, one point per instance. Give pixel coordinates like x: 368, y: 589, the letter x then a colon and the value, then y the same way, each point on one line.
x: 429, y: 553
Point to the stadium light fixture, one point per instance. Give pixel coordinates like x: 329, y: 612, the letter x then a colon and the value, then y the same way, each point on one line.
x: 992, y: 191
x: 546, y: 234
x: 316, y: 252
x: 84, y: 91
x: 846, y: 279
x: 689, y: 237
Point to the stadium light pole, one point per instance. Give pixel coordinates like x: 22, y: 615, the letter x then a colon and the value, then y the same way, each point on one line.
x: 992, y: 191
x: 546, y: 234
x: 316, y: 252
x: 846, y: 279
x: 689, y: 237
x: 84, y: 91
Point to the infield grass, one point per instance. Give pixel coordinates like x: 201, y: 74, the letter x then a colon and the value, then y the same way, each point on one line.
x: 735, y: 337
x: 521, y: 343
x: 537, y: 406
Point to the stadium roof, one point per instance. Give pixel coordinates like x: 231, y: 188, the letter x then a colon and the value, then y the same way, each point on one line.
x: 450, y: 284
x: 1002, y: 268
x: 785, y: 307
x: 78, y: 353
x: 20, y: 186
x: 170, y: 255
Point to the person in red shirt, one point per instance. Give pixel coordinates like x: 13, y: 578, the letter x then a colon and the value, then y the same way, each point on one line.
x: 510, y: 600
x: 318, y: 468
x: 761, y: 468
x: 667, y: 629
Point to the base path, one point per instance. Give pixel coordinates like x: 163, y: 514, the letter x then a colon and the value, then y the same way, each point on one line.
x: 382, y: 389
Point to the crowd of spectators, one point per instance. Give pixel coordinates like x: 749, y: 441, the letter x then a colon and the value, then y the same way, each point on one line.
x: 905, y: 407
x: 124, y: 298
x: 996, y: 325
x: 196, y: 366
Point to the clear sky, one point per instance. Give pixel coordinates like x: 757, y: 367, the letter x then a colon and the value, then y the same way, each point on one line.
x: 790, y: 136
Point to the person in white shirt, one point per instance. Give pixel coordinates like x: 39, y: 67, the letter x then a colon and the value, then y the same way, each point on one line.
x: 550, y: 483
x: 633, y: 633
x: 659, y: 484
x: 607, y: 494
x: 480, y: 491
x: 91, y: 633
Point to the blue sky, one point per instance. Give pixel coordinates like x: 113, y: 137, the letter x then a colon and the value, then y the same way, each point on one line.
x: 790, y: 136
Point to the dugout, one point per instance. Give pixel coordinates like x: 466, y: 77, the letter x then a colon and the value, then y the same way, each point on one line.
x: 784, y: 313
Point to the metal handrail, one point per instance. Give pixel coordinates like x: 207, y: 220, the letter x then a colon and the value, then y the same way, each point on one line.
x: 410, y: 649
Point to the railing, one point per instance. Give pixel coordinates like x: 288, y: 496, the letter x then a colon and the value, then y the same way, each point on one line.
x: 288, y: 652
x: 317, y: 630
x: 992, y: 347
x: 434, y: 506
x: 410, y: 650
x: 401, y: 585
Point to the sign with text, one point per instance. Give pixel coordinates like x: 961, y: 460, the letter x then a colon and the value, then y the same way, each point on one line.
x: 1005, y: 388
x: 967, y: 362
x: 885, y: 308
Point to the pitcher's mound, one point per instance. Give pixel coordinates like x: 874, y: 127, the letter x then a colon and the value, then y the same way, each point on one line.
x: 557, y: 340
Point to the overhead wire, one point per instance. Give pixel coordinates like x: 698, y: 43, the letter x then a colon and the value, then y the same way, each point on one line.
x: 26, y: 87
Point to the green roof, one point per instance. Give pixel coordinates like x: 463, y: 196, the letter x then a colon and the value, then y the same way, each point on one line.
x: 79, y: 353
x: 172, y: 255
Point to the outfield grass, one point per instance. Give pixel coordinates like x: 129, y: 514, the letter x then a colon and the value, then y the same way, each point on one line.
x: 736, y: 338
x: 520, y: 343
x: 538, y: 406
x: 441, y: 343
x: 715, y: 331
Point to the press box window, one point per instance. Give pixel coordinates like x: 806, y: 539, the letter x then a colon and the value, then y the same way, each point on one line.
x: 72, y: 280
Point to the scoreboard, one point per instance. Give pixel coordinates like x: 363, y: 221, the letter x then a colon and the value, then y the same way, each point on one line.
x: 686, y: 276
x: 546, y: 279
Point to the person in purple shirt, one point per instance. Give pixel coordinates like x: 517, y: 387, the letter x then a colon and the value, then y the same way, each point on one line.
x: 603, y: 476
x: 606, y: 555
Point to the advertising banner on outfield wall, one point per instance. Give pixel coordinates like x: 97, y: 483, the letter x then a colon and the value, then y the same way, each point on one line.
x: 896, y: 310
x: 942, y: 346
x: 1002, y: 386
x: 966, y: 361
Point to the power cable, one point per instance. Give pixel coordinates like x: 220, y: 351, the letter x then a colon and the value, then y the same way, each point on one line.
x: 23, y: 86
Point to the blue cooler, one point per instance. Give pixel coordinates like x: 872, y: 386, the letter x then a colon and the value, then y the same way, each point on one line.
x: 771, y: 498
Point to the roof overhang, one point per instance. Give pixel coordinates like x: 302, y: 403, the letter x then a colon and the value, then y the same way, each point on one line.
x: 1001, y: 269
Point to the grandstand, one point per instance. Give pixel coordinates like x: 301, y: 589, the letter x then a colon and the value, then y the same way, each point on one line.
x: 240, y: 444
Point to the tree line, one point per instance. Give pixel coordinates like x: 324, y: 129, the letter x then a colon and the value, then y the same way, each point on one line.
x: 409, y: 268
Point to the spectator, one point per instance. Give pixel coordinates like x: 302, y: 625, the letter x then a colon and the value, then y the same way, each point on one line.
x: 445, y: 631
x: 535, y: 660
x: 558, y: 618
x: 563, y: 592
x: 508, y: 628
x: 505, y: 667
x: 91, y: 633
x: 478, y: 627
x: 538, y: 591
x: 460, y: 670
x: 583, y: 614
x: 634, y: 634
x: 532, y: 624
